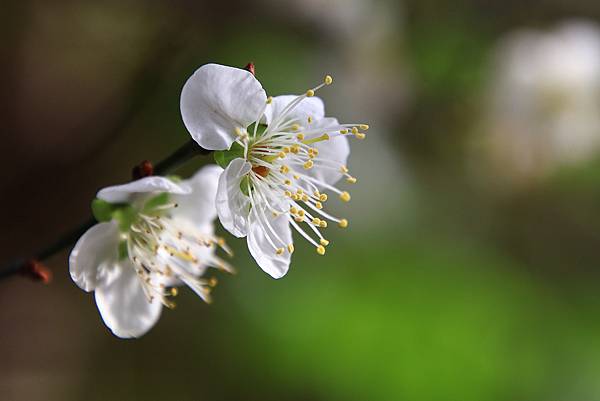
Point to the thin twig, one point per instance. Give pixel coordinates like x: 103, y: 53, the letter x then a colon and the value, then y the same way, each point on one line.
x: 186, y: 152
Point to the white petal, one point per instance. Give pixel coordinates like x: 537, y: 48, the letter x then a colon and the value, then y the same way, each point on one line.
x: 309, y: 107
x: 199, y: 205
x: 263, y: 251
x: 216, y: 100
x: 96, y: 247
x: 125, y: 192
x: 124, y: 306
x: 334, y: 150
x: 232, y: 205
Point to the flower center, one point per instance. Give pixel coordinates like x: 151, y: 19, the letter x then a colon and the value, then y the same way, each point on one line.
x: 288, y: 174
x: 165, y: 250
x: 261, y: 170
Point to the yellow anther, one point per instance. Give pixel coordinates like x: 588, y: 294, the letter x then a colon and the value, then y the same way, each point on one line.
x: 321, y: 250
x: 279, y: 251
x: 323, y: 224
x: 344, y: 169
x: 284, y: 169
x: 275, y: 214
x: 328, y: 80
x: 308, y: 165
x: 351, y: 180
x: 287, y: 182
x: 304, y: 198
x: 310, y: 93
x: 212, y: 282
x: 300, y: 138
x: 290, y: 248
x: 293, y: 210
x: 221, y: 241
x: 317, y: 193
x: 343, y: 223
x: 315, y: 151
x: 296, y: 176
x: 300, y: 191
x: 299, y: 219
x: 309, y: 119
x: 238, y: 131
x: 286, y: 149
x: 281, y: 154
x: 270, y: 100
x: 343, y: 131
x: 324, y: 242
x: 301, y: 212
x: 316, y: 221
x: 288, y: 194
x: 169, y: 304
x: 295, y: 197
x: 295, y: 127
x: 354, y: 130
x: 360, y: 135
x: 174, y: 291
x: 345, y: 196
x: 323, y: 197
x: 318, y: 205
x: 363, y: 127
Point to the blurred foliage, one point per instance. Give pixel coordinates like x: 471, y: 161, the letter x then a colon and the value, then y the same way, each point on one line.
x: 473, y: 293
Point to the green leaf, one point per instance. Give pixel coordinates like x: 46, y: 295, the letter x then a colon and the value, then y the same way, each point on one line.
x: 224, y: 157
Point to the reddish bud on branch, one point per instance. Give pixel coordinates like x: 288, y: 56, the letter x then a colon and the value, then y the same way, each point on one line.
x: 144, y: 169
x: 250, y: 68
x: 36, y: 271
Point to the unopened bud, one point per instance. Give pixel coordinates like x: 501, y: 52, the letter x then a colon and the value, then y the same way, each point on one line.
x: 144, y: 169
x: 250, y: 68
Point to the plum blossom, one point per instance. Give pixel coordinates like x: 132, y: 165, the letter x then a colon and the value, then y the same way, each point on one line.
x: 154, y: 234
x: 545, y: 99
x: 281, y: 155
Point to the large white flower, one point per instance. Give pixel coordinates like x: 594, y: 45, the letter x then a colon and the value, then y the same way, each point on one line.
x: 280, y: 155
x: 154, y: 234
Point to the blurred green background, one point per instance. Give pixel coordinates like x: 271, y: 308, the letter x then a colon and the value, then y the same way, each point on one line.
x: 471, y: 267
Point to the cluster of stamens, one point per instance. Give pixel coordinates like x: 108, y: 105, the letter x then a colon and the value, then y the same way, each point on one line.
x: 282, y: 157
x: 164, y: 250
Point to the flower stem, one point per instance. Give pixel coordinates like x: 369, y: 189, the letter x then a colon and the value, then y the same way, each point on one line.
x: 176, y: 159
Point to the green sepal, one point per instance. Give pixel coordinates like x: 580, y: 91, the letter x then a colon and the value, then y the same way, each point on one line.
x: 123, y: 251
x: 244, y: 185
x: 259, y: 131
x: 102, y: 210
x: 123, y: 213
x: 224, y: 157
x: 156, y: 201
x: 175, y: 178
x: 125, y: 216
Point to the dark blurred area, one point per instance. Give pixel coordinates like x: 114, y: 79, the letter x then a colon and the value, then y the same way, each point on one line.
x: 472, y: 266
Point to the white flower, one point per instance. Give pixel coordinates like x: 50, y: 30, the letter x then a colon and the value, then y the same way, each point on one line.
x: 155, y: 234
x: 546, y: 97
x: 281, y: 153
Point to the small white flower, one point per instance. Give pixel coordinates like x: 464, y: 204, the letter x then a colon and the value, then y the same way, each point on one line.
x: 281, y: 153
x: 155, y: 234
x: 545, y: 99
